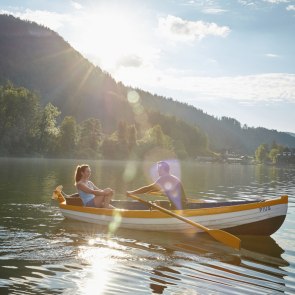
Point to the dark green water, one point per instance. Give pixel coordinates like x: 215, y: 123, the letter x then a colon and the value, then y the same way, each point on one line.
x: 42, y: 253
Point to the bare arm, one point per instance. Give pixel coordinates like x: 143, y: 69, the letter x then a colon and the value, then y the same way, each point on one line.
x: 107, y: 191
x: 98, y: 192
x: 93, y: 185
x: 146, y: 189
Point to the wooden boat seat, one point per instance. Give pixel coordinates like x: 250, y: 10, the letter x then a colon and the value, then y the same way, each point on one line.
x: 74, y: 200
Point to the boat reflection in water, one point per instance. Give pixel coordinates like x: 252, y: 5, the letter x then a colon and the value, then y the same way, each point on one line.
x: 169, y: 261
x: 272, y: 253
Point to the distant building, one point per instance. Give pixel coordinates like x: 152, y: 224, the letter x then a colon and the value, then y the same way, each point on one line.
x: 286, y: 158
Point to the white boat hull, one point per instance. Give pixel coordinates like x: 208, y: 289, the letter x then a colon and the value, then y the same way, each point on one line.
x: 244, y: 219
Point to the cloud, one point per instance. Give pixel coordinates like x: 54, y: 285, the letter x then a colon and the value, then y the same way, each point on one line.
x: 290, y: 7
x: 277, y: 1
x: 270, y: 88
x: 263, y: 87
x: 272, y: 55
x: 213, y: 11
x: 246, y: 2
x: 130, y: 61
x: 76, y: 5
x: 178, y: 29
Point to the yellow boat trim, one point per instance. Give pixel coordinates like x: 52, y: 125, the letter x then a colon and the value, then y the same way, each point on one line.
x: 187, y: 213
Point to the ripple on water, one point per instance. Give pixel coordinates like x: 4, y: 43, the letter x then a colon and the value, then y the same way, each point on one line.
x: 139, y: 265
x: 47, y: 255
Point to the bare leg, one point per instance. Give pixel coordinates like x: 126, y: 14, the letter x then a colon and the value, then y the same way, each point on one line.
x: 98, y: 201
x: 107, y: 200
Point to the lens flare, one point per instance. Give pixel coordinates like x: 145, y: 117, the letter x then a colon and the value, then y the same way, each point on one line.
x: 133, y: 97
x: 113, y: 226
x: 130, y: 171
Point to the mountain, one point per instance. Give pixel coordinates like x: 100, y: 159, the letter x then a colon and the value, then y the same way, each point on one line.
x: 224, y: 133
x: 39, y: 59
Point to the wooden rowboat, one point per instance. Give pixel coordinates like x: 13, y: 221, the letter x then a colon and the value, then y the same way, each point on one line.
x: 256, y: 217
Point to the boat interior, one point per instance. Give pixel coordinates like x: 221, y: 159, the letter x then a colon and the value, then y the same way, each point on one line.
x: 134, y: 205
x: 75, y: 200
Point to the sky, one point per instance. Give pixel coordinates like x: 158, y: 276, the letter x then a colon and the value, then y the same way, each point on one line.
x: 227, y: 58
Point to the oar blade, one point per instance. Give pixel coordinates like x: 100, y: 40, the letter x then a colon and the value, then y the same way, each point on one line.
x: 225, y: 238
x: 54, y: 195
x: 57, y: 190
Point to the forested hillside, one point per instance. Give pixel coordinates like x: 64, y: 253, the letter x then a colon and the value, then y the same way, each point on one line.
x: 38, y: 59
x: 223, y: 133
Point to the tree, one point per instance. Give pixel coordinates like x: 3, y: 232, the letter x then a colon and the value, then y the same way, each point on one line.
x: 132, y: 137
x: 90, y: 134
x: 122, y: 132
x: 48, y: 129
x: 122, y: 141
x: 154, y: 137
x: 261, y: 153
x: 193, y: 140
x: 180, y: 149
x: 273, y: 154
x: 275, y: 151
x: 68, y: 136
x: 19, y: 117
x: 231, y: 122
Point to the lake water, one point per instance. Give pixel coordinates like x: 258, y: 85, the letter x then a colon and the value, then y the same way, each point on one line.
x: 42, y: 253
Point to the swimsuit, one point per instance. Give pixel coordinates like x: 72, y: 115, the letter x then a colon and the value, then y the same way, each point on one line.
x: 87, y: 198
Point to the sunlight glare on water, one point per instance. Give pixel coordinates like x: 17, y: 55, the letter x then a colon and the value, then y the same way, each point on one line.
x: 43, y: 253
x: 97, y: 275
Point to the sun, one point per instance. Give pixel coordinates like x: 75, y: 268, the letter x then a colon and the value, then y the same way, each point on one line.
x: 110, y: 34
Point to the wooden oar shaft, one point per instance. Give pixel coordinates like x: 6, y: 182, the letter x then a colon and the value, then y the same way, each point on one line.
x: 169, y: 212
x: 220, y: 235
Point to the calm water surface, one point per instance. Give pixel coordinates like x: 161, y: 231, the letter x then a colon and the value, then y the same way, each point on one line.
x: 42, y: 253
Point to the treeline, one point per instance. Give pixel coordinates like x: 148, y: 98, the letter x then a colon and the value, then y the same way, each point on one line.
x: 224, y: 133
x: 29, y: 129
x: 272, y: 153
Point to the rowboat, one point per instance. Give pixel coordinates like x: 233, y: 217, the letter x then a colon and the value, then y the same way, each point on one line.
x: 253, y: 217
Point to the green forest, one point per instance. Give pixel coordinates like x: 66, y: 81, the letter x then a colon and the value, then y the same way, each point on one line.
x: 28, y: 129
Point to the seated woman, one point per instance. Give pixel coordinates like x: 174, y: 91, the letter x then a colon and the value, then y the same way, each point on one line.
x: 90, y: 194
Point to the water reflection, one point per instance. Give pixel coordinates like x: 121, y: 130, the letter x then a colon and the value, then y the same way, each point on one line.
x: 99, y: 261
x: 266, y: 246
x: 99, y: 252
x: 162, y: 261
x: 154, y: 246
x: 162, y: 279
x: 42, y: 253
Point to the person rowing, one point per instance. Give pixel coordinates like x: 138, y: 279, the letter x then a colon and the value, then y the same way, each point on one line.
x: 167, y: 183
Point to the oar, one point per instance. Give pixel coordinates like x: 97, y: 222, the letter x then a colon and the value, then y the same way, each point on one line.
x: 162, y: 194
x: 219, y: 235
x: 57, y: 194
